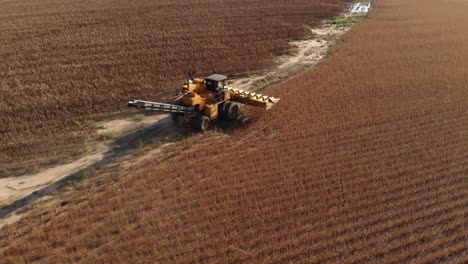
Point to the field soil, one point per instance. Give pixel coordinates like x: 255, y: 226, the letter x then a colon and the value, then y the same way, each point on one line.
x: 363, y: 160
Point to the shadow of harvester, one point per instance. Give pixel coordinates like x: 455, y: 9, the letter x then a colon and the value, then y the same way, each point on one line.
x: 118, y: 149
x: 163, y: 130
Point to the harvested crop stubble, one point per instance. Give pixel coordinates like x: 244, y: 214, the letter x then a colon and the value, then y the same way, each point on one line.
x: 365, y: 159
x: 64, y: 62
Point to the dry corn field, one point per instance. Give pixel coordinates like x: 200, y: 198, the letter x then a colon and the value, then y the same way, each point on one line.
x: 63, y: 62
x: 364, y: 160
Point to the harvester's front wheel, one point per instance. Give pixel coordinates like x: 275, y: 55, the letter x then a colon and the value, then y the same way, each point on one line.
x: 231, y: 111
x: 203, y: 123
x: 223, y: 108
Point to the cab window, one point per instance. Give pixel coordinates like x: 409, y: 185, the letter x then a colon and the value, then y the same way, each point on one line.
x: 210, y: 85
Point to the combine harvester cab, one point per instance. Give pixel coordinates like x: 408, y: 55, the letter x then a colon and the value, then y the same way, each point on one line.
x: 204, y: 100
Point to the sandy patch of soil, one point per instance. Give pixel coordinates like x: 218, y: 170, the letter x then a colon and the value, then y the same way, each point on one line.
x: 305, y: 53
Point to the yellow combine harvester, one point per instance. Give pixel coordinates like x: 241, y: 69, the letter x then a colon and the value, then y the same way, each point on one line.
x: 204, y: 100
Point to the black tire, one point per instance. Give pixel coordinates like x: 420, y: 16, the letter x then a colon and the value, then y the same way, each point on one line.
x: 223, y: 109
x: 231, y: 111
x: 203, y: 123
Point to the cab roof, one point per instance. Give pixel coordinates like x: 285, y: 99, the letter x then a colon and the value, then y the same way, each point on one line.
x: 216, y: 77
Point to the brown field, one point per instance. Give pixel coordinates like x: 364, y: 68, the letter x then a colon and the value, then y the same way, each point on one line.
x: 363, y: 160
x: 63, y: 63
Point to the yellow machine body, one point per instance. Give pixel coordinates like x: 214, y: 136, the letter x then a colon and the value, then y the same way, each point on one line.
x: 197, y: 95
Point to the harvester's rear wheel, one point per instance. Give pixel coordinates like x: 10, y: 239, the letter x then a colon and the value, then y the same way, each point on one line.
x: 231, y: 111
x: 203, y: 123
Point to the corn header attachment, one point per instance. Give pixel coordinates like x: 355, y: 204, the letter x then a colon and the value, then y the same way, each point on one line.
x: 250, y: 98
